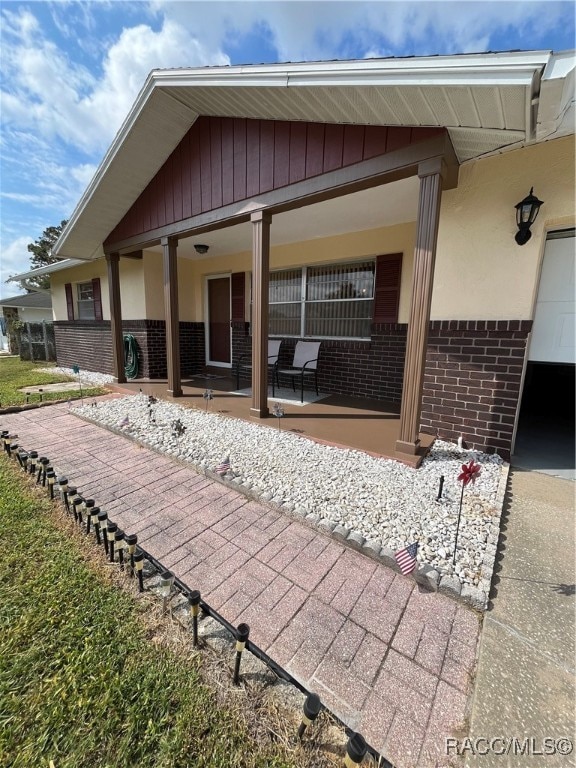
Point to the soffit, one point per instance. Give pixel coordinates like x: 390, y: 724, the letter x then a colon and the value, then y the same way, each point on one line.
x: 485, y: 101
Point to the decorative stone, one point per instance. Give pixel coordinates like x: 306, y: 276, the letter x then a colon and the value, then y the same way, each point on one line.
x: 356, y: 540
x: 380, y: 500
x: 450, y: 585
x: 387, y: 558
x: 474, y: 597
x: 427, y: 576
x: 372, y: 548
x: 340, y: 532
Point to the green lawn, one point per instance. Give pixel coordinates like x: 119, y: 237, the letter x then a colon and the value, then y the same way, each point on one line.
x: 80, y: 685
x: 16, y: 373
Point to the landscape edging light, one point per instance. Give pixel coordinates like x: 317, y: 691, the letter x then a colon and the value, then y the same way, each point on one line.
x: 139, y: 566
x: 131, y: 540
x: 242, y: 634
x: 356, y: 750
x: 102, y: 518
x: 312, y: 707
x: 120, y: 544
x: 194, y: 600
x: 111, y: 529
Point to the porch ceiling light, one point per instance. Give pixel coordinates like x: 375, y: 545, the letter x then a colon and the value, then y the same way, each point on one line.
x: 526, y: 212
x: 201, y: 248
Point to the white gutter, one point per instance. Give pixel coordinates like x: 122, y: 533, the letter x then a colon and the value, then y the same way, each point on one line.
x: 47, y: 270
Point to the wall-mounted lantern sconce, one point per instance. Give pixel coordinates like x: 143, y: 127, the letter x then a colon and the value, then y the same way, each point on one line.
x: 526, y: 212
x: 201, y: 248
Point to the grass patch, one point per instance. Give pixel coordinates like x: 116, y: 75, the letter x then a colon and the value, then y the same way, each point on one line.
x: 16, y: 373
x: 80, y: 683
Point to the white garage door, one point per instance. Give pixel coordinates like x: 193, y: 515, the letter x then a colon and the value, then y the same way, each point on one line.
x: 553, y: 339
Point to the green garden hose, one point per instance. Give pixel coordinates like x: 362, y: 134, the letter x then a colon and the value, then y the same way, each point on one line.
x: 130, y: 356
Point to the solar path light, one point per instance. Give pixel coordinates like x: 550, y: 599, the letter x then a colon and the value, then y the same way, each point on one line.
x: 242, y: 634
x: 111, y: 529
x: 32, y: 459
x: 139, y: 566
x: 131, y: 540
x: 102, y: 518
x: 89, y: 505
x: 356, y: 750
x: 312, y: 707
x: 119, y: 544
x: 51, y: 478
x: 63, y: 487
x: 194, y: 600
x: 165, y: 588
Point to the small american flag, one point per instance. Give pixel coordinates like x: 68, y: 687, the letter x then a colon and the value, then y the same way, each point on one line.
x: 125, y: 421
x: 406, y: 558
x: 223, y: 467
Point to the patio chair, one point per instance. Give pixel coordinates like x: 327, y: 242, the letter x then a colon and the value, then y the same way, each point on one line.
x: 304, y: 365
x: 244, y: 362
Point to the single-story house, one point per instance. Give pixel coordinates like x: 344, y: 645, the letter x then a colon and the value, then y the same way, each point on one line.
x: 32, y: 307
x: 382, y: 207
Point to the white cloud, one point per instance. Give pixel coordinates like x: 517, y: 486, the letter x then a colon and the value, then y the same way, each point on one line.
x: 137, y: 52
x: 45, y: 90
x: 15, y: 259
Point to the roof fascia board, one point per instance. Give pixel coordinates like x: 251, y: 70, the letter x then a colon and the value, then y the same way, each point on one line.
x: 531, y: 59
x: 482, y: 76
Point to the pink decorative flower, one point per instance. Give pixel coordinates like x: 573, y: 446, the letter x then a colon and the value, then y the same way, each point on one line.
x: 469, y: 472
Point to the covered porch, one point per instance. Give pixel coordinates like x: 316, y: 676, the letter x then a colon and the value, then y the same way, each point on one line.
x: 415, y: 169
x: 372, y: 426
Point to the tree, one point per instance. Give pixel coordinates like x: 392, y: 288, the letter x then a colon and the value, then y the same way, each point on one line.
x: 41, y: 249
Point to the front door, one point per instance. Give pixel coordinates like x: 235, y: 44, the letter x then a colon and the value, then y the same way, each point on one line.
x: 218, y: 342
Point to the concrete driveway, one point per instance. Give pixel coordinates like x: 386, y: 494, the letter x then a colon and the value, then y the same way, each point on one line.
x: 525, y: 679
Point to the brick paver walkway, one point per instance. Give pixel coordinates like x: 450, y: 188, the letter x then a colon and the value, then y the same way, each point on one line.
x: 393, y: 661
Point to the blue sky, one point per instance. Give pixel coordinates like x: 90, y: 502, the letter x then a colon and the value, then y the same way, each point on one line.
x: 70, y: 72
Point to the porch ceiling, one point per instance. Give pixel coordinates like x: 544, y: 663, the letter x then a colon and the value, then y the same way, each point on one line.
x: 486, y: 101
x: 382, y: 206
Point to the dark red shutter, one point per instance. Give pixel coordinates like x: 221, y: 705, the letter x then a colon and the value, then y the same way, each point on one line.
x: 69, y: 301
x: 387, y: 288
x: 97, y: 296
x: 238, y: 288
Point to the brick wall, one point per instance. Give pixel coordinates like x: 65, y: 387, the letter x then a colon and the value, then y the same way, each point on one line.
x: 88, y: 344
x: 471, y: 385
x: 370, y: 369
x: 472, y: 381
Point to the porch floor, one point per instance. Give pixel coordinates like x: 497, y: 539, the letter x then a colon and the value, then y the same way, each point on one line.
x: 367, y: 425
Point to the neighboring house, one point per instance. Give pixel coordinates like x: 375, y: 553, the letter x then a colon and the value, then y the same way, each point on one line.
x: 34, y: 307
x: 368, y: 204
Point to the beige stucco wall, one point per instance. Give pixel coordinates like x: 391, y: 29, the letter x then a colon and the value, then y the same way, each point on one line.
x: 131, y: 287
x: 351, y: 246
x: 154, y: 288
x: 481, y: 273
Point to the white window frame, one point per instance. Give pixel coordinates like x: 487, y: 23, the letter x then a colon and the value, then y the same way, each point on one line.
x: 302, y: 300
x: 85, y: 302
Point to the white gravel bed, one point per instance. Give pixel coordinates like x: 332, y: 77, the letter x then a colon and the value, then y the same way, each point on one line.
x: 384, y: 500
x: 86, y: 377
